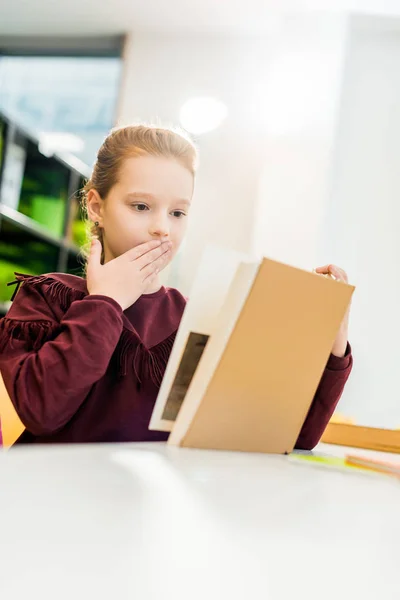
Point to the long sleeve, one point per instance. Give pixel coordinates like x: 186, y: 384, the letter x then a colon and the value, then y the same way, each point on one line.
x: 50, y: 365
x: 326, y: 399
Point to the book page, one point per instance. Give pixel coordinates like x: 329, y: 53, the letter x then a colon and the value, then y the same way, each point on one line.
x: 213, y: 279
x: 234, y: 302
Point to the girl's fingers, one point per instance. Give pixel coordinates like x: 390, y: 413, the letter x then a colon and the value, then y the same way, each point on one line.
x: 150, y: 278
x: 323, y: 270
x: 337, y: 272
x: 141, y: 250
x: 155, y: 266
x: 151, y: 256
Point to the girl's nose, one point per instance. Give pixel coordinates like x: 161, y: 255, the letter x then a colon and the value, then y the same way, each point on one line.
x: 159, y: 228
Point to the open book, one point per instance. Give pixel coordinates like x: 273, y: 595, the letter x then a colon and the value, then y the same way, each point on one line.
x: 249, y: 354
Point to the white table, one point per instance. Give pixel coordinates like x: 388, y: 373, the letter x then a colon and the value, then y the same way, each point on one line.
x: 147, y: 521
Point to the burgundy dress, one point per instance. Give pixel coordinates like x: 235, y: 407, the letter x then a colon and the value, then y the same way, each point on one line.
x: 79, y: 369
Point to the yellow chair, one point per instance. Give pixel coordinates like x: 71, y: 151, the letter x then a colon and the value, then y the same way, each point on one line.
x: 339, y: 418
x: 11, y: 425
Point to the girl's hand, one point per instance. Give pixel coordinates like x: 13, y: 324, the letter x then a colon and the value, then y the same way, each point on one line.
x: 340, y: 345
x: 126, y: 278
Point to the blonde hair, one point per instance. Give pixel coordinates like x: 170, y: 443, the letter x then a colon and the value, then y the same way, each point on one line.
x: 129, y: 142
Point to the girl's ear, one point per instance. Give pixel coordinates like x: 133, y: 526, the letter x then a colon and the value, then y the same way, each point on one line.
x: 94, y: 205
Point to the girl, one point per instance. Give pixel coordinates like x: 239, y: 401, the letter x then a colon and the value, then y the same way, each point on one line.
x: 83, y: 359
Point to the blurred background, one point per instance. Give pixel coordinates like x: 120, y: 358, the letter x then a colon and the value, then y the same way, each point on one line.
x: 296, y: 116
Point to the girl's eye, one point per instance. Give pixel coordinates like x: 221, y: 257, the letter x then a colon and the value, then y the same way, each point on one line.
x: 140, y: 207
x: 178, y: 214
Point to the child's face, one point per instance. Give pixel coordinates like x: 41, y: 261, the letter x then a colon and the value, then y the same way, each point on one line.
x: 150, y: 201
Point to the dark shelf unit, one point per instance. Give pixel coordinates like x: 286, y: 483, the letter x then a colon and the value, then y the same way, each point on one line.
x: 41, y: 223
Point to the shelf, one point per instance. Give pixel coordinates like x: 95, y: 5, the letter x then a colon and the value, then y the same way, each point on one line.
x: 28, y: 224
x: 46, y: 240
x: 66, y: 158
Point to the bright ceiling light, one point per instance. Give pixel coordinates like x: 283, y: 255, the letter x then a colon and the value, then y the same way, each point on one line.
x: 200, y: 115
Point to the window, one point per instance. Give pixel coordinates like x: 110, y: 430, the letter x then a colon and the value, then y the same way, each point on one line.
x: 68, y: 102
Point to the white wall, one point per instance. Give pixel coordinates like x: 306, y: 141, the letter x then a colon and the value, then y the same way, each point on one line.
x: 281, y: 91
x: 303, y: 89
x: 362, y: 228
x: 305, y: 169
x: 162, y: 72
